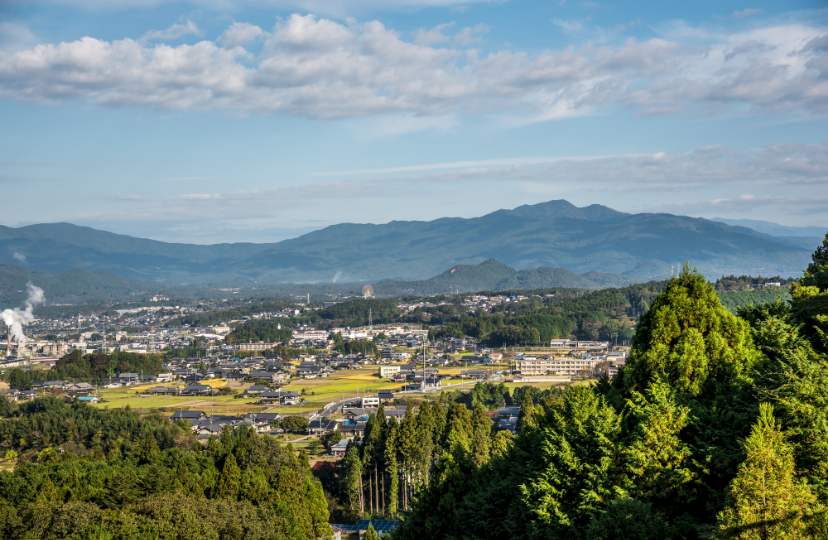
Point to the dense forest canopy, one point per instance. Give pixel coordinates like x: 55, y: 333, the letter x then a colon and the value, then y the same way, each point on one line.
x: 83, y: 473
x: 267, y: 330
x: 716, y: 428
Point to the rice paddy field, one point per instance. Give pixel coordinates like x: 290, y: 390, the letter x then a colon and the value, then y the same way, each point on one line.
x: 317, y: 393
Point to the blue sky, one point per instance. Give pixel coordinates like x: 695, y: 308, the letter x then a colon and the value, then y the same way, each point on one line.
x: 225, y: 121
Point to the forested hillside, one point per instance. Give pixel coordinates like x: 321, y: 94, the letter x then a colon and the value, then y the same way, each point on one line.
x: 732, y: 300
x: 553, y: 313
x: 83, y: 473
x: 76, y: 286
x: 715, y: 428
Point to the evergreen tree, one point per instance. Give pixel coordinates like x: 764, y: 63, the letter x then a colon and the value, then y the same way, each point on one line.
x: 253, y: 486
x: 352, y: 475
x: 370, y: 533
x: 766, y: 500
x: 391, y: 467
x: 120, y: 490
x: 526, y: 416
x: 47, y: 492
x: 228, y: 482
x: 810, y: 299
x: 480, y: 446
x: 688, y: 338
x: 657, y: 461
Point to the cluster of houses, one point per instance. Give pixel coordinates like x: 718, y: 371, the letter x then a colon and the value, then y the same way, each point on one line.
x: 76, y: 391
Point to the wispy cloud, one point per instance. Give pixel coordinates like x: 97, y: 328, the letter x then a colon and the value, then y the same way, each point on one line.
x: 174, y: 32
x: 187, y: 178
x: 784, y: 179
x: 459, y: 165
x: 127, y: 197
x: 747, y: 12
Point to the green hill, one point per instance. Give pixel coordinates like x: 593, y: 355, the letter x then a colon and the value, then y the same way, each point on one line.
x: 493, y: 275
x: 77, y: 286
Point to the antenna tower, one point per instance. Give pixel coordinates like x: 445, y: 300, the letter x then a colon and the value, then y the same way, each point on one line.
x: 370, y: 320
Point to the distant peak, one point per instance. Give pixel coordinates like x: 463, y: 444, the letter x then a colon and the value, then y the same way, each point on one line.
x: 562, y: 208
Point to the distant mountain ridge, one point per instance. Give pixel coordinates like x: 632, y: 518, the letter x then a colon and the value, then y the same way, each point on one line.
x: 774, y: 229
x: 555, y: 234
x: 76, y: 286
x: 493, y: 275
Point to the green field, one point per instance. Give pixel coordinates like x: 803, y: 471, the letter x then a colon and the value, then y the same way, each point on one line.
x: 317, y: 393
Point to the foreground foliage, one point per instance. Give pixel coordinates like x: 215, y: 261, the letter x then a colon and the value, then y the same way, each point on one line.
x: 85, y: 474
x: 716, y: 428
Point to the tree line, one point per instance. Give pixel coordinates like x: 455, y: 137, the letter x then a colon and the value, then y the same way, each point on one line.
x: 91, y: 368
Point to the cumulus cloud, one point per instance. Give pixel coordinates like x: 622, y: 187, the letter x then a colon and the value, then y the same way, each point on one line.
x: 238, y: 34
x: 433, y: 36
x: 19, y: 256
x: 314, y: 67
x: 176, y: 31
x: 471, y: 34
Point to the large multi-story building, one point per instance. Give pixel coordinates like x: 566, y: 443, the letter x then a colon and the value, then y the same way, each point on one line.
x: 257, y: 346
x: 550, y: 365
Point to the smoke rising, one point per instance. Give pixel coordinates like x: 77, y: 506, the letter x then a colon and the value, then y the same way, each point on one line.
x: 17, y: 318
x: 337, y: 276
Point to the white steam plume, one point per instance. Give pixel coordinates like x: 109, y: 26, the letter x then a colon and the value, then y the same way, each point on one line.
x: 337, y: 276
x: 17, y: 318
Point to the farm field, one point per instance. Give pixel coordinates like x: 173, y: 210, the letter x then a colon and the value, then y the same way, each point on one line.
x: 317, y: 393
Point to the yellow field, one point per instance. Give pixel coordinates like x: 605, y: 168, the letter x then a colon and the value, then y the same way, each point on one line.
x: 316, y: 393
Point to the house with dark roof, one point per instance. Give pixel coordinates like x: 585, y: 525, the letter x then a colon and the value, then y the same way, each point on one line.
x: 163, y: 390
x: 188, y: 415
x: 196, y: 390
x: 349, y: 431
x: 280, y: 397
x: 320, y: 427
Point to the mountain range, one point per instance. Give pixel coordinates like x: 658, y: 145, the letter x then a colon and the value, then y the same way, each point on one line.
x: 81, y: 286
x: 555, y: 234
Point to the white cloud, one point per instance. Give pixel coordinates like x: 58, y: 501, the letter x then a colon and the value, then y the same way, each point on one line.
x: 19, y: 256
x: 319, y: 68
x: 471, y: 34
x: 433, y: 36
x: 174, y: 32
x: 238, y: 34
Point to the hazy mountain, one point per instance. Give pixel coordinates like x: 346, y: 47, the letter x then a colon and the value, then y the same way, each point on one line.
x: 493, y: 275
x: 555, y: 234
x: 76, y: 286
x: 775, y: 229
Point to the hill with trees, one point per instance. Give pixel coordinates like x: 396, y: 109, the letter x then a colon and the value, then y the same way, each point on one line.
x: 85, y: 473
x: 76, y: 286
x: 714, y: 429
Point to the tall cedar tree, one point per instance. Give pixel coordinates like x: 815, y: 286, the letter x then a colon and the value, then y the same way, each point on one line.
x: 766, y: 500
